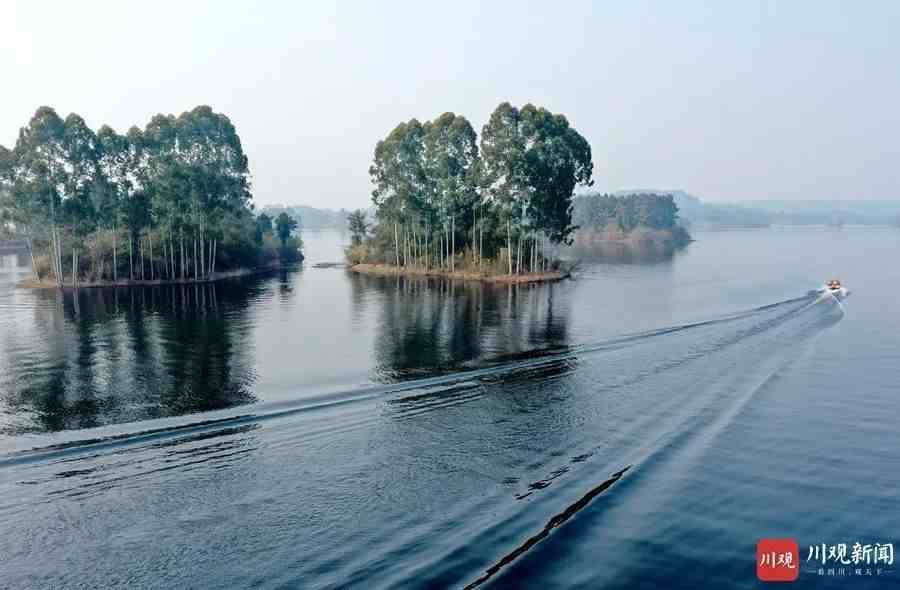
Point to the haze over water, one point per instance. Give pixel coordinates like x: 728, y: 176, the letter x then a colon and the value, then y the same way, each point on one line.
x: 640, y: 426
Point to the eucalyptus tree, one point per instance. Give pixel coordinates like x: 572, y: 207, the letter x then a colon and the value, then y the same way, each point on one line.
x: 401, y: 182
x: 119, y: 180
x: 557, y: 159
x: 502, y: 174
x: 263, y: 227
x: 212, y: 149
x: 23, y: 202
x: 182, y: 177
x: 54, y: 172
x: 35, y: 174
x: 198, y: 171
x: 357, y: 224
x: 451, y: 160
x: 284, y: 227
x: 15, y: 218
x: 81, y: 180
x: 532, y: 162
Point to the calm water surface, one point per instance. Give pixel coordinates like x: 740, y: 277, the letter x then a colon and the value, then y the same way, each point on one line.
x: 641, y: 426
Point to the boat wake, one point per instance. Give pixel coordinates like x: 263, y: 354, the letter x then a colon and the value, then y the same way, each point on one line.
x: 462, y: 477
x: 422, y: 394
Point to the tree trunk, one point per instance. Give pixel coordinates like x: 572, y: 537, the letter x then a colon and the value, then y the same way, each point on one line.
x: 474, y: 226
x: 150, y: 237
x: 115, y: 258
x: 509, y: 244
x: 397, y: 244
x: 543, y: 254
x: 57, y: 257
x: 212, y: 264
x: 481, y: 242
x: 182, y: 256
x: 201, y: 258
x: 531, y: 264
x: 519, y: 255
x: 141, y: 248
x: 130, y: 256
x: 30, y: 245
x: 196, y: 265
x: 74, y: 266
x: 452, y: 243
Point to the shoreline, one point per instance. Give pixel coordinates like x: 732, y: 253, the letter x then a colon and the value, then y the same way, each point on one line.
x: 386, y: 270
x: 31, y: 283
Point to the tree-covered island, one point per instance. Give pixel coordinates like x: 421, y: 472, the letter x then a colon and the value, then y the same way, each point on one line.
x: 629, y: 218
x: 167, y: 203
x: 449, y: 203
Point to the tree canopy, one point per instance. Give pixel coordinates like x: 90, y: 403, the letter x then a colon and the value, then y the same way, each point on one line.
x: 177, y: 192
x: 437, y: 193
x: 626, y: 212
x: 284, y: 227
x: 358, y: 226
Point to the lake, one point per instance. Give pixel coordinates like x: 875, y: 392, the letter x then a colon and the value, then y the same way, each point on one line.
x: 643, y: 425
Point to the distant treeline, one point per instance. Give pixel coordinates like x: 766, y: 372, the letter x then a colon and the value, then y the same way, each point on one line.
x: 625, y: 212
x: 310, y: 217
x: 170, y: 201
x: 701, y: 214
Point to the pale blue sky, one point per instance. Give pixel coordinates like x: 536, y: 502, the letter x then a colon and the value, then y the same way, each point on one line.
x: 730, y: 101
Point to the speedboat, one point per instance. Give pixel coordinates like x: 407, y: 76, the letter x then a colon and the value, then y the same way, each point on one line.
x: 835, y: 288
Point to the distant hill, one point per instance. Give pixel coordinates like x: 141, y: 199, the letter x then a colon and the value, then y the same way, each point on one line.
x: 699, y: 214
x: 831, y: 212
x: 311, y: 217
x: 692, y: 212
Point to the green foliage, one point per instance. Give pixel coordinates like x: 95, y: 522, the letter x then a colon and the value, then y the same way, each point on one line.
x: 358, y: 226
x: 263, y: 228
x: 626, y: 212
x: 284, y: 227
x: 436, y: 194
x: 177, y: 193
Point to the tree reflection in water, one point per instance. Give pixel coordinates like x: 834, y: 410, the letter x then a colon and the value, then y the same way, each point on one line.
x: 428, y: 326
x: 118, y: 355
x: 638, y: 252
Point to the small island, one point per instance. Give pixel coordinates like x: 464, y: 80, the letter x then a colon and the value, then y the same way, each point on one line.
x: 636, y: 219
x: 449, y: 205
x: 170, y: 203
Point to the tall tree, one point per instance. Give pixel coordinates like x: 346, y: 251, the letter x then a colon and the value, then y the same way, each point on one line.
x: 182, y: 178
x: 401, y: 182
x: 502, y: 177
x: 451, y: 159
x: 556, y: 159
x: 263, y: 227
x: 284, y: 227
x: 358, y: 226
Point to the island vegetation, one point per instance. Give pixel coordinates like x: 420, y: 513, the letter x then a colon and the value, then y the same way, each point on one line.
x: 632, y: 218
x: 310, y: 217
x: 170, y: 202
x: 447, y: 202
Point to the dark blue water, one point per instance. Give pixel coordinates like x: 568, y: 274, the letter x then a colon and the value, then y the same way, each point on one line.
x: 641, y: 426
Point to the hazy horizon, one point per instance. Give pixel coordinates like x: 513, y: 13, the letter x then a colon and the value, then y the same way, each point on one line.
x: 729, y: 103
